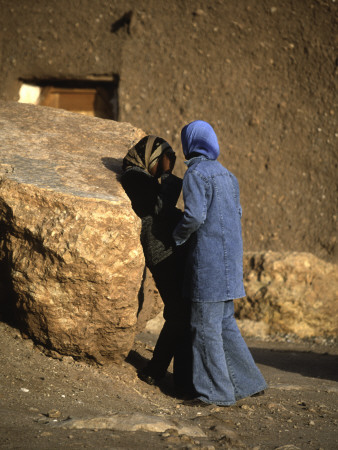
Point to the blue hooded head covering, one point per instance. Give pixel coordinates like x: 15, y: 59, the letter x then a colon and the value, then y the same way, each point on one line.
x: 199, y: 137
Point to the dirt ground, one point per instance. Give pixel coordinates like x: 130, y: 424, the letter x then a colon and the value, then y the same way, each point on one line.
x: 40, y: 394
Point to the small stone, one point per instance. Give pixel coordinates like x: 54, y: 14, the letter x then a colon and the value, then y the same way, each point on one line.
x: 24, y: 390
x: 301, y: 403
x: 173, y: 440
x: 288, y: 447
x: 54, y: 414
x: 216, y: 409
x: 199, y: 12
x: 246, y: 407
x: 254, y: 121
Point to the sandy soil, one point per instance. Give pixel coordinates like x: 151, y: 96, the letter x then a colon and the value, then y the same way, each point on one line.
x: 40, y: 394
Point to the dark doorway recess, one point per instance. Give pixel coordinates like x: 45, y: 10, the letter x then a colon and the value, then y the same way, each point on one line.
x: 97, y: 97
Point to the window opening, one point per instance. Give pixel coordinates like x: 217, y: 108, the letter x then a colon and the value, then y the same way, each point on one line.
x: 93, y: 98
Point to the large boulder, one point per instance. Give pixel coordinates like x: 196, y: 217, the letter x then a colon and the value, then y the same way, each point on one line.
x: 70, y: 254
x: 289, y: 293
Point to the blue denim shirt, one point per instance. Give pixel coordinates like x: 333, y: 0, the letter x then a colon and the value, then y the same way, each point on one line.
x: 212, y: 223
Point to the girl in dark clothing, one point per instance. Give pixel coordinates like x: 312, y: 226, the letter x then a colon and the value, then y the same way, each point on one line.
x: 153, y: 190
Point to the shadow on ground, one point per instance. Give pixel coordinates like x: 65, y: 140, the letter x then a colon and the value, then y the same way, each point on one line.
x: 309, y: 364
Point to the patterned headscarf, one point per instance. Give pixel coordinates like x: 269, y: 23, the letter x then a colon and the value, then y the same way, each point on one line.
x: 199, y: 137
x: 146, y: 152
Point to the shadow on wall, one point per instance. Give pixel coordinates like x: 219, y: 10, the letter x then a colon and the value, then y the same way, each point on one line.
x: 123, y: 23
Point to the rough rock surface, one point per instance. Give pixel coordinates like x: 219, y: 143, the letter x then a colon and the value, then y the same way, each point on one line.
x: 135, y: 422
x: 150, y: 302
x: 290, y: 293
x: 71, y: 261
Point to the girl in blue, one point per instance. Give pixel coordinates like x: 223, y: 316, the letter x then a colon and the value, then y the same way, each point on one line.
x: 223, y: 368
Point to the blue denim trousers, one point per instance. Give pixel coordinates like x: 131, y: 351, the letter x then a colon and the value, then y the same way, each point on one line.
x: 223, y: 368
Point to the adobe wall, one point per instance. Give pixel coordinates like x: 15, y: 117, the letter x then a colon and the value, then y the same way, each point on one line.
x: 263, y: 73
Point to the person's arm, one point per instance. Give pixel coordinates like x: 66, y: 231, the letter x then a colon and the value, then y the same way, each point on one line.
x: 195, y: 195
x: 169, y: 192
x: 142, y: 189
x: 148, y: 196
